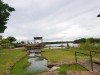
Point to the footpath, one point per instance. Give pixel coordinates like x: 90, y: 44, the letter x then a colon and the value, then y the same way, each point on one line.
x: 85, y: 63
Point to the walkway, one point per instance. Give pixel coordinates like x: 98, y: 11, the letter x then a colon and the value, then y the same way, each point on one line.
x: 87, y: 65
x: 82, y: 73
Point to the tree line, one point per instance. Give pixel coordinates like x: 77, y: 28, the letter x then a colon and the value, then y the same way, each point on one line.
x: 58, y: 42
x: 7, y: 41
x: 91, y: 40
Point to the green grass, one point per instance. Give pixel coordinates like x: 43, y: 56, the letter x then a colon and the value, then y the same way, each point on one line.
x: 58, y: 55
x: 62, y: 55
x: 53, y: 55
x: 73, y: 67
x: 10, y: 57
x: 20, y: 68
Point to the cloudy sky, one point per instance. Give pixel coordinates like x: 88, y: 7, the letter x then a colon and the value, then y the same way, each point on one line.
x: 54, y: 19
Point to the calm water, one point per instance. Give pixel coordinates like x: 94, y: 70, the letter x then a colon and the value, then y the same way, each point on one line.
x: 38, y: 63
x: 63, y: 44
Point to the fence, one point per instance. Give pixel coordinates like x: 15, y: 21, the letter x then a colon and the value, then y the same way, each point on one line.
x: 86, y: 55
x: 91, y: 56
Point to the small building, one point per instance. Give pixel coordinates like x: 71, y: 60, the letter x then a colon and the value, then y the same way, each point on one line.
x: 36, y: 45
x: 38, y: 39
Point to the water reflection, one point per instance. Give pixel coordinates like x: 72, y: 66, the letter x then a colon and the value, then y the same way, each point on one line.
x: 38, y: 63
x: 34, y: 55
x: 63, y: 45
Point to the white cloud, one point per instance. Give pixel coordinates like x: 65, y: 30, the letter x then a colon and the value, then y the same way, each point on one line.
x: 54, y: 19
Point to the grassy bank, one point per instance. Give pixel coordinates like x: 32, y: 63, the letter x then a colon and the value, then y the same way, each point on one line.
x: 58, y: 55
x: 9, y: 57
x: 73, y: 67
x: 20, y: 68
x: 61, y: 55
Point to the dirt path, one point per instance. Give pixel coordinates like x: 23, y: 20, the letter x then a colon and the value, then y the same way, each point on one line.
x: 82, y: 73
x: 87, y: 65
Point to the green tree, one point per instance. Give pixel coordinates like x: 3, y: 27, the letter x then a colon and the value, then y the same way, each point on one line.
x: 82, y: 40
x: 22, y: 42
x: 11, y: 39
x: 91, y: 40
x: 5, y: 11
x: 1, y: 37
x: 5, y: 41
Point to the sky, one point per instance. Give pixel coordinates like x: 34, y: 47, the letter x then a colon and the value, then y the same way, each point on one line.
x: 54, y: 20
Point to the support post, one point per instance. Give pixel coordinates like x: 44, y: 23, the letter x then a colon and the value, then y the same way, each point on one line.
x: 91, y: 61
x: 34, y: 41
x: 76, y: 56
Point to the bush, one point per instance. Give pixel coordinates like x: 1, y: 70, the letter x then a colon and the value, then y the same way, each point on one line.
x: 88, y: 46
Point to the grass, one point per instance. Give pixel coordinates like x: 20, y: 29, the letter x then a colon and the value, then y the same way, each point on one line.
x: 8, y: 58
x: 73, y: 67
x: 53, y: 55
x: 20, y: 68
x: 58, y: 55
x: 61, y: 55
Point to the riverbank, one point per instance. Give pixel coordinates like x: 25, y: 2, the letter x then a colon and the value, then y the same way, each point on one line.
x: 8, y: 57
x: 61, y: 55
x: 21, y: 67
x: 54, y: 56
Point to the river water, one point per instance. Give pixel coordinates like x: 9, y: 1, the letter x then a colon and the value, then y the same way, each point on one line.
x: 62, y: 45
x: 37, y: 62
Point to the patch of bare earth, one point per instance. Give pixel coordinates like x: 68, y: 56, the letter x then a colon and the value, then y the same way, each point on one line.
x: 82, y: 73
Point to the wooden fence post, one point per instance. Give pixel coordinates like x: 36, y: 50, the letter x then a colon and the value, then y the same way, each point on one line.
x: 76, y: 56
x: 91, y: 61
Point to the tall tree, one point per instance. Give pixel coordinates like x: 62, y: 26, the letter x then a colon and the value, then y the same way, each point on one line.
x: 5, y: 11
x: 82, y: 40
x: 1, y: 37
x: 5, y: 41
x: 11, y: 39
